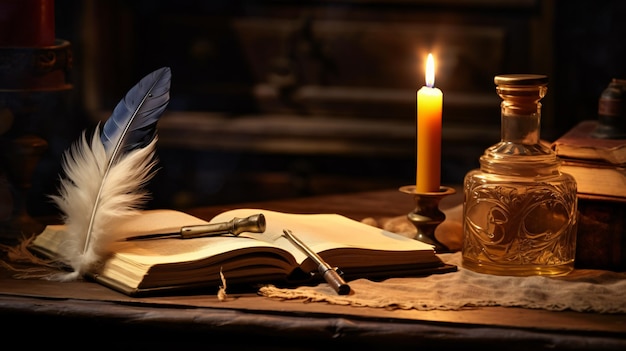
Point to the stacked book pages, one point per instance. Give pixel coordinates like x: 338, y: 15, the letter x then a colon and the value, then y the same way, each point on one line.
x: 599, y: 167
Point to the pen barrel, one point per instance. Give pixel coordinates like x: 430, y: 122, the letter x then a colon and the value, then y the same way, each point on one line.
x: 330, y: 275
x: 236, y: 226
x: 335, y: 280
x: 196, y: 231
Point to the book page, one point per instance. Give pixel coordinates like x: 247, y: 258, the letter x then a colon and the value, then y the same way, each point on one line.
x: 323, y: 232
x: 146, y: 222
x: 156, y: 221
x: 153, y: 251
x: 163, y: 251
x: 597, y: 179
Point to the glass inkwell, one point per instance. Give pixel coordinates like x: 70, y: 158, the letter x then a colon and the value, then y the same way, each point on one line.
x: 520, y: 211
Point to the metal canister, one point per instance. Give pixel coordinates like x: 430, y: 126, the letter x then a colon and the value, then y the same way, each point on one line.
x: 612, y: 111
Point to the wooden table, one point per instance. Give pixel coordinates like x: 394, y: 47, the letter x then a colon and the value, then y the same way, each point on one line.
x: 44, y: 313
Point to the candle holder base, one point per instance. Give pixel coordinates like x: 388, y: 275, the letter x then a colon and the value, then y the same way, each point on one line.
x: 426, y: 215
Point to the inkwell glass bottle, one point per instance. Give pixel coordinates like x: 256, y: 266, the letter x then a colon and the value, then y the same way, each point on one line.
x: 519, y: 209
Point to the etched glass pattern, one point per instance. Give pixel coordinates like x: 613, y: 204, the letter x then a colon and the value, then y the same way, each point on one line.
x: 519, y: 229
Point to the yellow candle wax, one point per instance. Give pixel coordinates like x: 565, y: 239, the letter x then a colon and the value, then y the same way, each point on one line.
x: 429, y: 110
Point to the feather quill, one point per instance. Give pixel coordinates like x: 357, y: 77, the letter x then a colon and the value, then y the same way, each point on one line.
x: 105, y: 175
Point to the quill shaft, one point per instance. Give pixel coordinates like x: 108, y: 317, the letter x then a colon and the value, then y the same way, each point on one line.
x: 132, y: 125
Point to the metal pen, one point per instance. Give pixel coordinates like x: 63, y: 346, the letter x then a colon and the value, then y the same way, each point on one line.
x: 236, y: 226
x: 329, y: 273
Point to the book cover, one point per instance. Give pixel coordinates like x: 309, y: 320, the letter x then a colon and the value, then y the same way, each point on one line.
x: 601, y: 237
x: 578, y: 143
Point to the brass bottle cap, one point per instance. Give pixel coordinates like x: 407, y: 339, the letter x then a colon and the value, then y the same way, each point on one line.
x: 521, y: 79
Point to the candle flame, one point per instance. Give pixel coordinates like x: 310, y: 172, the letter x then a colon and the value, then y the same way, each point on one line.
x: 430, y: 71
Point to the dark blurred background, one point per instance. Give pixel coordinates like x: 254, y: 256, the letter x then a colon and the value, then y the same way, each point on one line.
x: 278, y: 99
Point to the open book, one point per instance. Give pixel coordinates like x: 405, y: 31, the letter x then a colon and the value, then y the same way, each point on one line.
x: 165, y: 265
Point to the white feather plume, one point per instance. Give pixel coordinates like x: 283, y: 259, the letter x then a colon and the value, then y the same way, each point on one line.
x: 121, y: 196
x: 105, y: 176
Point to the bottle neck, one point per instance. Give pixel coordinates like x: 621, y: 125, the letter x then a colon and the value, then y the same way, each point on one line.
x: 521, y: 119
x: 520, y: 151
x: 520, y: 124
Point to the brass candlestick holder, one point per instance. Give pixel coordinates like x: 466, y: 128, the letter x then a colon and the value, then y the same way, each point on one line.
x: 426, y: 215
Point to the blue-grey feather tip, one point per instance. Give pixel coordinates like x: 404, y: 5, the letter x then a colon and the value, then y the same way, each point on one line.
x: 133, y: 122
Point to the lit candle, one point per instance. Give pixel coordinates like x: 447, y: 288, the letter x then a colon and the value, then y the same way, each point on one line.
x: 429, y: 106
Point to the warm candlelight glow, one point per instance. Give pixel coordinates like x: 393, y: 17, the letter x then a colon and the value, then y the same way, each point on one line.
x: 429, y: 110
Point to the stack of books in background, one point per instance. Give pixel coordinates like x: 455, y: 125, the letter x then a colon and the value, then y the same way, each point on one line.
x: 599, y: 167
